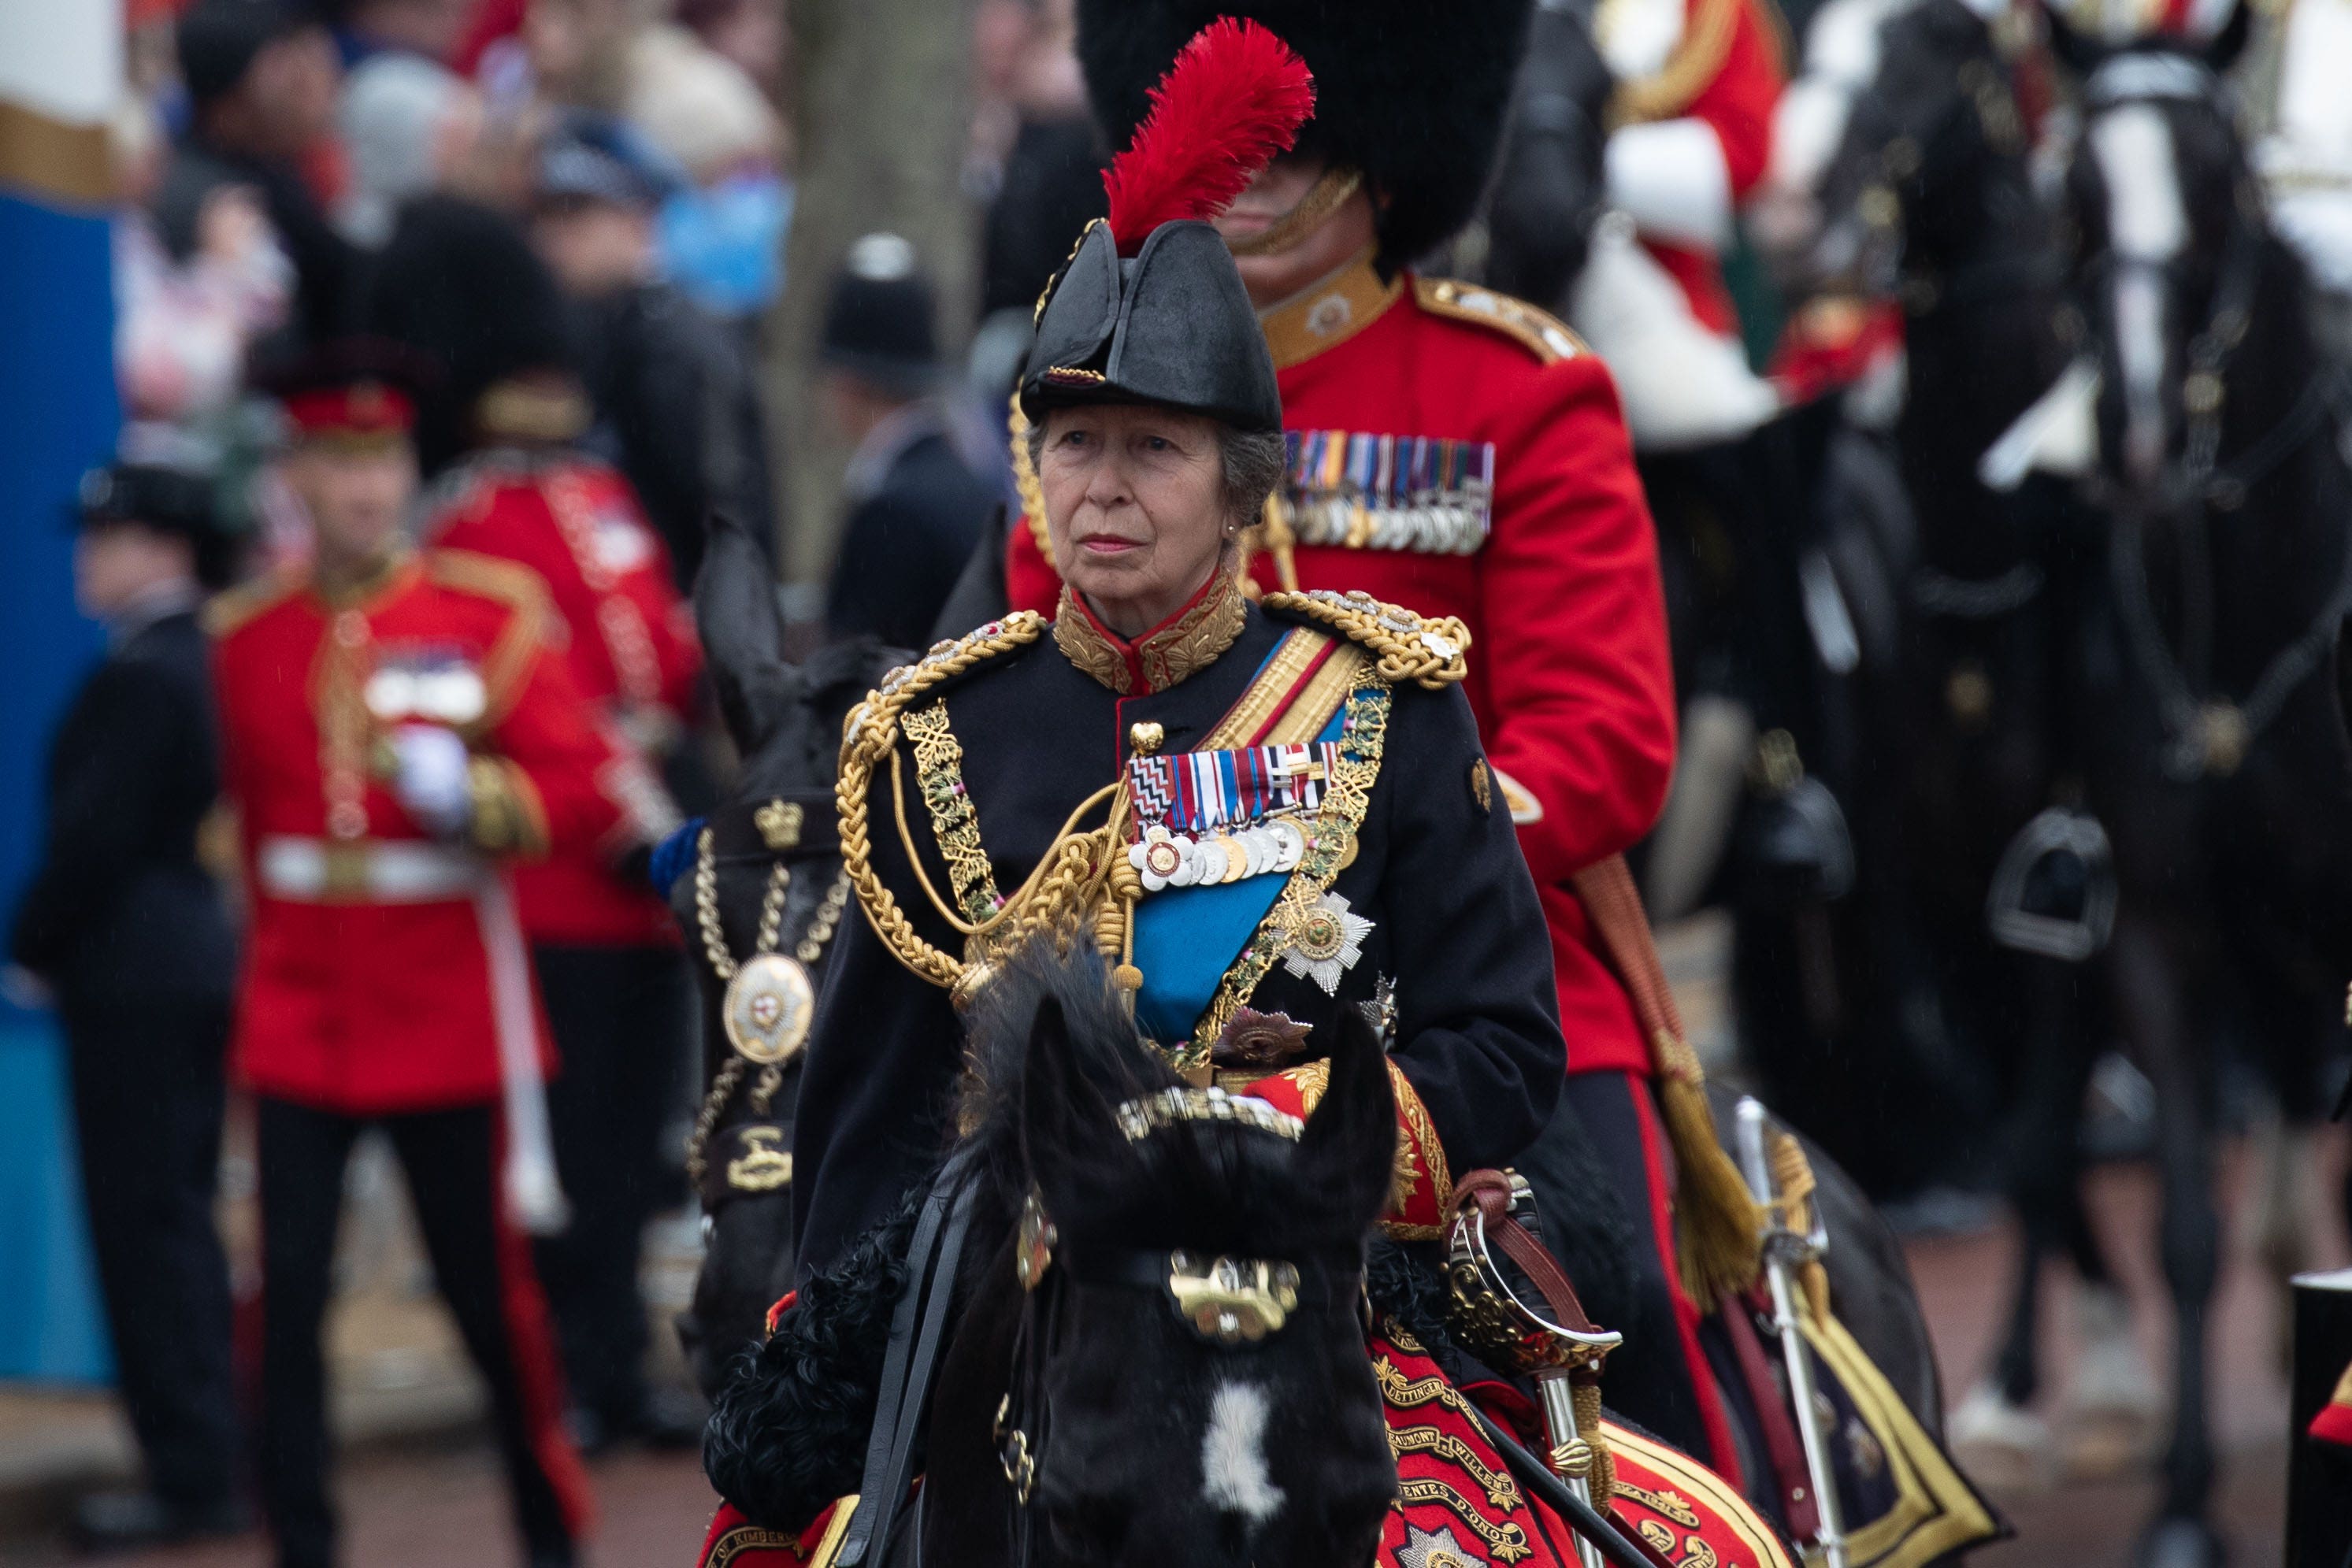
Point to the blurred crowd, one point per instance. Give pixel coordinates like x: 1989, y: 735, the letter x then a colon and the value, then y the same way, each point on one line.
x: 402, y: 284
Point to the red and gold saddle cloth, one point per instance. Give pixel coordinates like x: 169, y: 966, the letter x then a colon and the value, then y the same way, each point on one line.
x: 1457, y: 1504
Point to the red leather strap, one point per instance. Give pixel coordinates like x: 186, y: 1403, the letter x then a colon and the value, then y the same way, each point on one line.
x: 1783, y: 1450
x: 1491, y: 1192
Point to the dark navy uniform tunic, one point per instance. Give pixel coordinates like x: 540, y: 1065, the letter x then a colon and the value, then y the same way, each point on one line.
x: 1455, y: 922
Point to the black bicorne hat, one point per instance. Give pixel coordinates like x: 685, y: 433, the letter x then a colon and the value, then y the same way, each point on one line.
x: 1150, y: 308
x: 1411, y: 93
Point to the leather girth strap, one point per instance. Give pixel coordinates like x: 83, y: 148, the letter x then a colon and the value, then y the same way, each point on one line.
x: 918, y: 1335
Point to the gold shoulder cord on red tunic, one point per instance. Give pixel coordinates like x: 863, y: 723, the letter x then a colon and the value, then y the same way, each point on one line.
x: 518, y: 641
x: 227, y: 610
x: 627, y: 640
x: 1695, y: 60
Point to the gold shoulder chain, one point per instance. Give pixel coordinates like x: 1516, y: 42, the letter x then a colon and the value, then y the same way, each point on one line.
x: 869, y: 737
x: 1426, y: 649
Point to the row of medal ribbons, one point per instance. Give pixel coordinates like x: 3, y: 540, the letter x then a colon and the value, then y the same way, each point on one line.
x: 1415, y: 493
x: 1208, y: 817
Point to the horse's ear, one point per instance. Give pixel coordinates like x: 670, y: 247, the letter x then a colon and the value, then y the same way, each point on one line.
x: 2078, y: 52
x: 1064, y: 1122
x: 1347, y: 1156
x: 742, y: 628
x: 2222, y: 50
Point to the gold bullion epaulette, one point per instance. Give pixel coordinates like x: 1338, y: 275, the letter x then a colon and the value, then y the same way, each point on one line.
x: 529, y: 627
x: 508, y: 582
x: 1430, y: 650
x: 232, y: 608
x: 872, y: 724
x: 1541, y: 333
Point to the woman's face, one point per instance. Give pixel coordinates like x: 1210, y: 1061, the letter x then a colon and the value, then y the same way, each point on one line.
x: 1135, y: 506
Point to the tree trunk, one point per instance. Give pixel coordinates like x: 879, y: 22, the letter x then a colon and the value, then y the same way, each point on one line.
x: 882, y: 105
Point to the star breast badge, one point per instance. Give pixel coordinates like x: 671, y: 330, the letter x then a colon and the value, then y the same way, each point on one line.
x: 1423, y: 1549
x: 1326, y: 942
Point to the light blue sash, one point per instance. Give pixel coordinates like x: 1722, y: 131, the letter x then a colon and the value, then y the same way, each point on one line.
x: 1187, y: 937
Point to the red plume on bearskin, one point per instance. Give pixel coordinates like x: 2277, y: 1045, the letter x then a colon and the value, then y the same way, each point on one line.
x: 1235, y: 97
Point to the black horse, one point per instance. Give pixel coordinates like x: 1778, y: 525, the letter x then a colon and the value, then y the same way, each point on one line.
x: 2213, y: 733
x: 1756, y: 540
x: 1927, y: 200
x: 1163, y: 1445
x: 1782, y: 553
x: 785, y: 721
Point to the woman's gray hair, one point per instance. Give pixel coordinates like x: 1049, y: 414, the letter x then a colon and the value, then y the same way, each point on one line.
x: 1252, y: 462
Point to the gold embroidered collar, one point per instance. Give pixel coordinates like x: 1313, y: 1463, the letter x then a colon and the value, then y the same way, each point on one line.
x: 1187, y: 640
x: 1327, y: 313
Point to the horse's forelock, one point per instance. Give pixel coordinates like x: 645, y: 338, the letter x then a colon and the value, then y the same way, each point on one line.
x: 1111, y: 1060
x: 1201, y: 1184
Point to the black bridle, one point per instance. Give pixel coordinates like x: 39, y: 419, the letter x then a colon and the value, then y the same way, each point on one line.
x: 2209, y: 735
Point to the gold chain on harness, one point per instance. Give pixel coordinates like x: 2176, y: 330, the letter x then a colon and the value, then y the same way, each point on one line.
x: 821, y: 928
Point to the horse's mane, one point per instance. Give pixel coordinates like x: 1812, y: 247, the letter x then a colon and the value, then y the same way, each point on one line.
x: 1210, y: 1186
x: 997, y: 1029
x: 787, y: 1434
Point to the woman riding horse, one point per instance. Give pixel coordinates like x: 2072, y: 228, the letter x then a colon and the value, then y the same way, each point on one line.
x: 1270, y: 820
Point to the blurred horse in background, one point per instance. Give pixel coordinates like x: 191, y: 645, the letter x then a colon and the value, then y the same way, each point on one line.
x: 766, y: 876
x: 1903, y: 177
x: 2213, y: 731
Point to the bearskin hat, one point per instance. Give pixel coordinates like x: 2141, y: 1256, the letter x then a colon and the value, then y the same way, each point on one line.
x: 460, y: 284
x: 1150, y: 307
x: 1411, y: 92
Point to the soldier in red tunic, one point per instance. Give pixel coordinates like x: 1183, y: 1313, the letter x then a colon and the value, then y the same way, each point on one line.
x: 1459, y: 450
x: 394, y: 730
x: 603, y: 945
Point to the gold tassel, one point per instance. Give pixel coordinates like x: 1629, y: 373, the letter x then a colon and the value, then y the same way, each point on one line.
x: 1792, y: 1175
x: 1719, y: 1231
x: 1584, y: 1394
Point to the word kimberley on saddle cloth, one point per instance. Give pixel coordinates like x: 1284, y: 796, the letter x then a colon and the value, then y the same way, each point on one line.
x: 1219, y: 816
